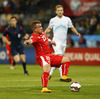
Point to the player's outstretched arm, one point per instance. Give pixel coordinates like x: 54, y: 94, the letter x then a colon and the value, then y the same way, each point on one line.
x: 52, y: 42
x: 28, y: 42
x: 26, y: 36
x: 5, y: 40
x: 47, y: 30
x: 75, y: 31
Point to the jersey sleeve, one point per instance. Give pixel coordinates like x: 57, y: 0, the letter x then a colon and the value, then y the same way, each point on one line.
x: 6, y: 31
x: 50, y: 24
x: 34, y: 38
x: 70, y: 24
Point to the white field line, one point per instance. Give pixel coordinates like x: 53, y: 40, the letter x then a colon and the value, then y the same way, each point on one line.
x: 48, y: 86
x: 18, y: 80
x: 29, y: 80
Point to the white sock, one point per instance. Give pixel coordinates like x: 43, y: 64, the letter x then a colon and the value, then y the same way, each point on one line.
x: 60, y: 70
x: 52, y: 70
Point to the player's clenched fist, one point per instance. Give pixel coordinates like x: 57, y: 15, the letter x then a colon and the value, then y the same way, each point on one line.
x: 27, y: 42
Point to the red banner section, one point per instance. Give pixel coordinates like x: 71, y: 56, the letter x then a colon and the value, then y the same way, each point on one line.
x: 83, y: 56
x: 79, y: 7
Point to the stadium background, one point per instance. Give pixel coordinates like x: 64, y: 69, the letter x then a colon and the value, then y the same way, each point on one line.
x: 85, y: 15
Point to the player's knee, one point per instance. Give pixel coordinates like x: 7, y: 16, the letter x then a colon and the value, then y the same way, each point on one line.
x: 68, y: 60
x: 65, y: 59
x: 17, y: 60
x: 46, y: 68
x: 23, y: 59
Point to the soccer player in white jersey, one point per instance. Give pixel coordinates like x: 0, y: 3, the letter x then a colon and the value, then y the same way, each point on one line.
x: 60, y: 25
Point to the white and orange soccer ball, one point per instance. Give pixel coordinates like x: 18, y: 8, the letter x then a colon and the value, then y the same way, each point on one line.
x: 75, y: 86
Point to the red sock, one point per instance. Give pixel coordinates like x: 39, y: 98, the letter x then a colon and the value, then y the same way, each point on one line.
x: 44, y: 79
x: 11, y: 61
x: 65, y: 68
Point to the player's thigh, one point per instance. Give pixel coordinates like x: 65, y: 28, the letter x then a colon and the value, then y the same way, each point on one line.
x: 16, y: 58
x: 22, y: 56
x: 43, y: 60
x: 65, y: 59
x: 57, y: 49
x: 56, y: 60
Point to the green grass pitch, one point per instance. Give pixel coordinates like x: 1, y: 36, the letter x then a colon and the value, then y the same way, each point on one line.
x: 15, y: 85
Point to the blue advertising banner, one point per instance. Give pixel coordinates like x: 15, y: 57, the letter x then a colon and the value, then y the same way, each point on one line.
x: 3, y: 56
x: 29, y: 52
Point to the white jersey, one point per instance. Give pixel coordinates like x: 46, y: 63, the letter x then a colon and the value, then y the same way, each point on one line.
x: 60, y: 27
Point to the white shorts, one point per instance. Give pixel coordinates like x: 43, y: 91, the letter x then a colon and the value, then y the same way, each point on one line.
x: 59, y: 49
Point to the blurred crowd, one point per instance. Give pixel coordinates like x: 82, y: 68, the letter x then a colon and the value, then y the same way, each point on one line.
x: 25, y: 10
x: 89, y: 25
x: 25, y: 6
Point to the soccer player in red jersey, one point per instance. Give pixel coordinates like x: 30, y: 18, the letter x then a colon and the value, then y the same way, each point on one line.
x: 9, y: 55
x: 44, y: 57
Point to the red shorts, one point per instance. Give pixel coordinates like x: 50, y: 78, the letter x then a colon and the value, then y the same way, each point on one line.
x: 53, y: 60
x: 8, y: 50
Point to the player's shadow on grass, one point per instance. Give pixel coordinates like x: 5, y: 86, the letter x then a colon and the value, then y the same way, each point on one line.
x: 55, y: 79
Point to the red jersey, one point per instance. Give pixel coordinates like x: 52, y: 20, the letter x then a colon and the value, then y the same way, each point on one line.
x: 40, y: 43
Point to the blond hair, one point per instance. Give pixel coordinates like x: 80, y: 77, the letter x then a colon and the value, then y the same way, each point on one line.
x: 58, y: 6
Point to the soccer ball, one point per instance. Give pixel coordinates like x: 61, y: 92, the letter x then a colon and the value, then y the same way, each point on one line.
x: 75, y: 86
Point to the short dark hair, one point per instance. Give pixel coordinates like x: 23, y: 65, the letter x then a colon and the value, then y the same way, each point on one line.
x: 13, y: 17
x: 33, y: 23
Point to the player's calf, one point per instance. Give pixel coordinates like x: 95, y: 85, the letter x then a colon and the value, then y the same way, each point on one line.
x: 65, y: 69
